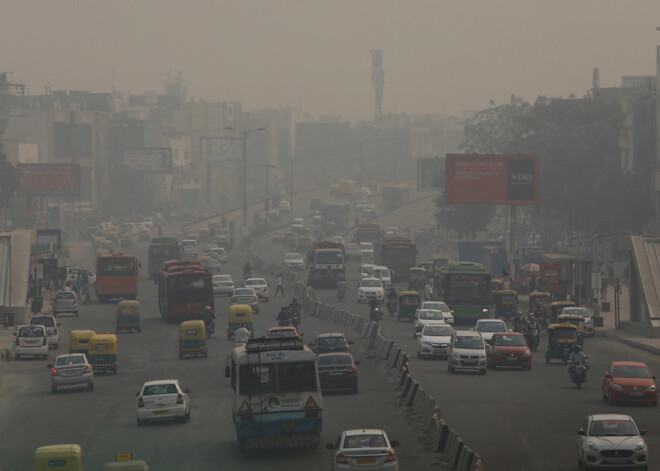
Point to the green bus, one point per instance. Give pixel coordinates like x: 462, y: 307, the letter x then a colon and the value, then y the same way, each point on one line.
x: 465, y: 287
x: 162, y: 249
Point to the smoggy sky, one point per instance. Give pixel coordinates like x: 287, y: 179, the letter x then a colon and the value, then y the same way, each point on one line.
x: 440, y: 56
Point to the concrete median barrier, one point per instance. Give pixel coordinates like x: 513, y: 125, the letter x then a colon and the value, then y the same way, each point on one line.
x: 465, y: 459
x: 477, y: 464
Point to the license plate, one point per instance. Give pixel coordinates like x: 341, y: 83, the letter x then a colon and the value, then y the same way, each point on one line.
x: 161, y: 412
x: 334, y: 373
x: 512, y: 359
x: 289, y: 425
x: 365, y: 460
x: 636, y: 394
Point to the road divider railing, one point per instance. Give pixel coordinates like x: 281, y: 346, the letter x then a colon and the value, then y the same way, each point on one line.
x: 423, y: 410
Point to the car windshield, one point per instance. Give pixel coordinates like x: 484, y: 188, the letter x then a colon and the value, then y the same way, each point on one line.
x: 70, y: 360
x: 509, y: 340
x: 255, y: 283
x: 492, y: 327
x: 282, y: 333
x: 157, y: 389
x: 580, y: 311
x: 351, y: 247
x: 470, y: 343
x: 371, y: 284
x: 364, y: 441
x: 428, y: 315
x: 45, y: 321
x: 612, y: 428
x: 334, y: 360
x: 384, y: 272
x: 631, y: 372
x: 438, y: 330
x: 31, y: 331
x: 292, y: 256
x: 244, y: 292
x: 331, y: 342
x: 436, y: 305
x: 222, y: 278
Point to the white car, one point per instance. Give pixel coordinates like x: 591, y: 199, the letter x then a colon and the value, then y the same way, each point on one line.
x: 427, y: 316
x: 298, y: 223
x: 260, y: 287
x: 189, y: 249
x: 588, y: 318
x: 317, y: 218
x: 337, y: 239
x: 612, y: 441
x: 390, y: 231
x: 439, y: 306
x: 148, y: 222
x: 467, y: 351
x: 223, y: 284
x: 129, y: 228
x: 488, y: 327
x: 51, y: 324
x: 165, y: 399
x: 218, y: 257
x: 384, y: 274
x: 434, y: 339
x: 367, y: 250
x: 284, y: 207
x: 294, y: 261
x: 364, y: 448
x: 31, y: 340
x: 366, y: 269
x: 370, y: 288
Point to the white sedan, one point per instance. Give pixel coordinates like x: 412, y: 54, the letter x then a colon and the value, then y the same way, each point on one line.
x: 260, y: 287
x: 223, y: 284
x: 364, y: 449
x: 439, y: 306
x: 434, y: 339
x: 488, y: 327
x: 369, y: 289
x: 165, y: 399
x: 612, y: 440
x: 294, y: 261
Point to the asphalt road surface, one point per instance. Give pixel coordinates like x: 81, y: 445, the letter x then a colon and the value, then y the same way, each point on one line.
x: 103, y: 421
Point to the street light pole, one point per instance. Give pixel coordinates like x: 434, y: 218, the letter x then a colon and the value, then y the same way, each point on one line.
x: 267, y: 167
x: 291, y: 159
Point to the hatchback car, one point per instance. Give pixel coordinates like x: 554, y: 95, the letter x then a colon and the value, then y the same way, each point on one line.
x: 51, y: 325
x: 364, y: 449
x: 427, y: 316
x: 434, y: 339
x: 629, y: 381
x: 260, y: 287
x: 72, y: 370
x: 488, y: 327
x: 65, y: 302
x: 369, y: 289
x: 509, y: 349
x: 338, y: 371
x: 246, y: 296
x: 284, y: 331
x: 384, y: 274
x: 439, y: 306
x: 298, y: 223
x: 294, y: 261
x: 589, y: 330
x: 467, y: 351
x: 31, y: 340
x: 330, y: 343
x: 284, y: 207
x: 220, y: 253
x: 366, y: 269
x: 223, y: 285
x: 367, y: 250
x: 163, y: 400
x: 611, y: 441
x: 352, y: 252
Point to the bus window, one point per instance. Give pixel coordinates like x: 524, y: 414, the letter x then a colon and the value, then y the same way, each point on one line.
x: 117, y: 267
x: 295, y: 377
x: 233, y: 375
x: 257, y: 379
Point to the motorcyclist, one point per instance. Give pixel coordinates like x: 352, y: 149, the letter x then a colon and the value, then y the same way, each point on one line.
x: 242, y: 334
x: 391, y: 294
x: 538, y: 311
x: 208, y: 316
x: 374, y: 306
x: 518, y: 322
x: 294, y: 307
x: 576, y: 357
x: 341, y: 286
x: 283, y: 317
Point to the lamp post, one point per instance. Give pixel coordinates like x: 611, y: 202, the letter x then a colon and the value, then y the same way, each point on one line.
x: 245, y: 133
x: 266, y: 204
x: 291, y: 159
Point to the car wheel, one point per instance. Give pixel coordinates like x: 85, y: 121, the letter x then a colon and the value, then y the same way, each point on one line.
x: 355, y: 389
x: 604, y: 396
x: 17, y: 357
x: 90, y: 386
x: 140, y: 422
x: 53, y: 390
x: 529, y: 368
x: 44, y: 357
x: 654, y: 404
x: 181, y: 355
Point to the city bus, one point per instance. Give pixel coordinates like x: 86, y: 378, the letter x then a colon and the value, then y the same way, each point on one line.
x: 397, y: 253
x: 184, y: 290
x: 162, y: 249
x: 368, y: 232
x: 465, y: 287
x: 116, y: 276
x: 394, y: 196
x: 276, y: 394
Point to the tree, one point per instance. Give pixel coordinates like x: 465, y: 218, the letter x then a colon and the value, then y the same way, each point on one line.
x: 8, y: 178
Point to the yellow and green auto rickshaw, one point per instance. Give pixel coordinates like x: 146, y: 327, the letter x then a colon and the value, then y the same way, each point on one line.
x: 237, y: 315
x: 557, y: 307
x: 426, y: 265
x: 576, y: 320
x: 561, y: 340
x: 79, y: 341
x: 541, y: 298
x: 103, y: 352
x: 128, y: 316
x: 61, y: 457
x: 409, y: 301
x: 417, y: 279
x: 192, y: 339
x: 506, y: 303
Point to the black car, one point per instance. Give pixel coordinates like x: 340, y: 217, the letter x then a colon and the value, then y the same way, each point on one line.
x: 331, y: 343
x: 338, y: 371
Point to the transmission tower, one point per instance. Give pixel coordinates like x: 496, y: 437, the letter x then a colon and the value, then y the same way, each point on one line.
x: 378, y: 80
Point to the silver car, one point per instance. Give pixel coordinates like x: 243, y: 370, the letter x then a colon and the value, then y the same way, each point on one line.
x: 72, y: 370
x: 246, y: 296
x: 64, y: 302
x: 611, y: 441
x: 223, y: 285
x: 467, y: 351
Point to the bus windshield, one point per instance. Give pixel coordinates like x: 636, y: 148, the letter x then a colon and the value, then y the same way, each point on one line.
x: 188, y: 287
x: 277, y: 378
x: 466, y: 288
x: 328, y: 258
x: 402, y: 254
x: 164, y: 251
x: 117, y: 267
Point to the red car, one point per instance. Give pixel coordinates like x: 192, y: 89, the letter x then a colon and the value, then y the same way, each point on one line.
x: 509, y: 349
x: 629, y: 381
x: 288, y: 331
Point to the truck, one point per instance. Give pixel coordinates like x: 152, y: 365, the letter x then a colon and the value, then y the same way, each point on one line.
x: 335, y: 212
x: 368, y: 232
x: 326, y: 262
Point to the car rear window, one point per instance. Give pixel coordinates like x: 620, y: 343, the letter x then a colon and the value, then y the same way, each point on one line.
x: 331, y: 342
x: 156, y: 389
x: 45, y: 321
x: 32, y: 331
x: 364, y: 441
x: 328, y: 360
x: 65, y: 295
x: 70, y: 360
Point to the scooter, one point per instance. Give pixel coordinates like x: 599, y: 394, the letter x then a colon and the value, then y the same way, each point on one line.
x: 376, y: 314
x: 295, y: 318
x: 578, y: 373
x: 341, y: 292
x: 391, y: 306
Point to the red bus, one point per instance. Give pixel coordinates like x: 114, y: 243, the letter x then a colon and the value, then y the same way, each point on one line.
x: 398, y: 253
x: 116, y: 276
x: 184, y: 289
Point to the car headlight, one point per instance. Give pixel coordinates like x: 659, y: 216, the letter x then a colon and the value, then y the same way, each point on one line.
x: 641, y: 446
x: 485, y: 309
x: 482, y: 357
x: 592, y: 447
x: 526, y: 353
x: 426, y: 342
x: 652, y: 388
x: 617, y: 387
x: 457, y: 356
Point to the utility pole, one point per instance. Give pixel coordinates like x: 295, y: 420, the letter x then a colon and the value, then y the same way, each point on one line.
x: 291, y: 160
x: 267, y: 204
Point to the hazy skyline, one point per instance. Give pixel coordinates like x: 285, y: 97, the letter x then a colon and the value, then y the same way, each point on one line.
x: 439, y: 56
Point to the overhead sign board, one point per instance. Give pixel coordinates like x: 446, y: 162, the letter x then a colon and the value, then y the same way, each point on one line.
x: 492, y: 179
x: 430, y: 173
x: 149, y: 159
x: 49, y: 239
x: 48, y: 179
x: 219, y: 149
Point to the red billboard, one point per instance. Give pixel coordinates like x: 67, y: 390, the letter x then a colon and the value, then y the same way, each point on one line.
x: 491, y: 179
x: 48, y: 179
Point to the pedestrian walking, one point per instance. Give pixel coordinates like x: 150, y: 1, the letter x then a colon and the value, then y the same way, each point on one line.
x: 86, y: 290
x: 79, y: 286
x: 279, y: 288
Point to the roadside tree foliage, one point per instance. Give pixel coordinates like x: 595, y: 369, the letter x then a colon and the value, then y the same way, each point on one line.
x: 8, y: 179
x: 582, y: 186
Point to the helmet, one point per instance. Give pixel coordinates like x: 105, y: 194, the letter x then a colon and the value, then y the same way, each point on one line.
x: 207, y: 308
x: 242, y: 324
x: 576, y: 349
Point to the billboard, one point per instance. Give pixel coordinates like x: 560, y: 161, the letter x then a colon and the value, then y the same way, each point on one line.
x: 149, y: 159
x: 492, y: 179
x: 48, y: 179
x: 219, y: 149
x: 49, y: 239
x: 430, y: 173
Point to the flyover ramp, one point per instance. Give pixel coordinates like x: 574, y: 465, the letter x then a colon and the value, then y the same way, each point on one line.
x: 645, y: 282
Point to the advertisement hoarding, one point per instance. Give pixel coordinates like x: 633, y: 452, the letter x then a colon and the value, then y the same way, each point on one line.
x: 492, y: 179
x: 48, y: 179
x: 49, y: 239
x: 219, y: 149
x: 430, y: 173
x: 149, y: 159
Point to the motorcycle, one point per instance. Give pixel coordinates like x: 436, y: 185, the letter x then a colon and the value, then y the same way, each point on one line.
x: 391, y: 306
x: 578, y: 373
x: 209, y: 324
x: 283, y: 321
x: 341, y: 292
x: 376, y: 314
x: 533, y: 338
x: 295, y: 318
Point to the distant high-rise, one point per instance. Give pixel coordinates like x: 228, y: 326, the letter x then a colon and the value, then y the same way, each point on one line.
x: 378, y: 80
